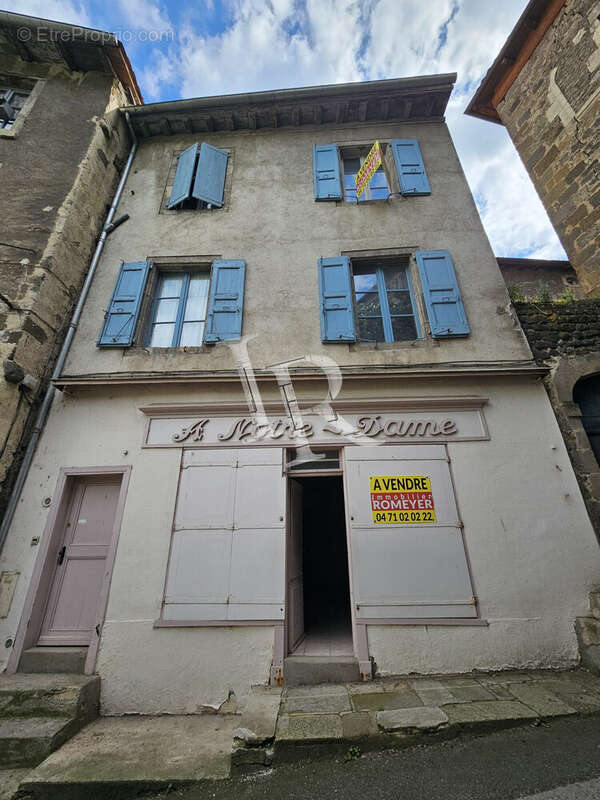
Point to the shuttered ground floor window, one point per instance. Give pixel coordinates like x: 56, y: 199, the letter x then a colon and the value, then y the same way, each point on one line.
x: 228, y: 551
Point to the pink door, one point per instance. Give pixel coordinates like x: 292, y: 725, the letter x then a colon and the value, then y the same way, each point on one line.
x: 70, y: 614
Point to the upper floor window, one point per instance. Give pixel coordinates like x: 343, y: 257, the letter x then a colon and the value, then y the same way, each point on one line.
x: 11, y: 102
x: 199, y: 178
x: 179, y: 310
x: 378, y: 188
x: 403, y: 171
x: 385, y: 309
x: 372, y: 300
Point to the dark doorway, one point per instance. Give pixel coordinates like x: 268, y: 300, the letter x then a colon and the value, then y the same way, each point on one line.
x: 325, y: 595
x: 587, y: 394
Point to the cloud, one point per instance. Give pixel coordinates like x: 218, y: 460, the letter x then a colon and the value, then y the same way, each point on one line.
x: 58, y: 10
x: 143, y: 15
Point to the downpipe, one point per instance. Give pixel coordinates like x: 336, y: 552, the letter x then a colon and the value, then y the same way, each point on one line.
x: 108, y: 228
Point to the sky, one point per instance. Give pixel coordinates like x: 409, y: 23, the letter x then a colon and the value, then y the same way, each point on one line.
x: 212, y: 47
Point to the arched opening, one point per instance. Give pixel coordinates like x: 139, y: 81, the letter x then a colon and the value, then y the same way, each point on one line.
x: 586, y: 394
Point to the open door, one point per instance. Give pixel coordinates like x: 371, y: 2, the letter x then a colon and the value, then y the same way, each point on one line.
x: 295, y: 578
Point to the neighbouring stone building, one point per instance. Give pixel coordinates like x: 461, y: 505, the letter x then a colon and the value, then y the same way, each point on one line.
x: 544, y: 86
x: 63, y: 143
x: 299, y: 428
x: 540, y: 279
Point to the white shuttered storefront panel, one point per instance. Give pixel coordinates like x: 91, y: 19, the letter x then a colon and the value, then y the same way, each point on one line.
x: 406, y: 571
x: 227, y: 554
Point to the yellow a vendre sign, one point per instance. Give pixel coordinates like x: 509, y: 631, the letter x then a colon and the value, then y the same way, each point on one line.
x: 370, y: 166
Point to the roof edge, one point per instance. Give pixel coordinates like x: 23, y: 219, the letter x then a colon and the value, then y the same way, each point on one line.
x: 522, y: 41
x: 442, y: 81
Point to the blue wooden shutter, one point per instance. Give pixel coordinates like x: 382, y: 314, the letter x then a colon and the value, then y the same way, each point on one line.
x: 225, y: 301
x: 326, y: 167
x: 122, y: 314
x: 210, y: 175
x: 335, y: 292
x: 410, y: 166
x: 182, y: 185
x: 442, y: 296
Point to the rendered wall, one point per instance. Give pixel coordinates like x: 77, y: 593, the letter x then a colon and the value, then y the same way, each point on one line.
x: 271, y: 220
x: 533, y: 552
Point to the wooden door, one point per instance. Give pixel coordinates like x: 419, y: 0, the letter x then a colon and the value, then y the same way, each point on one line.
x: 72, y: 605
x: 295, y: 577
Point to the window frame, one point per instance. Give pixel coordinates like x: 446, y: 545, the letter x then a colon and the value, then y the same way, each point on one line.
x: 201, y: 205
x: 161, y: 272
x: 355, y: 151
x: 382, y: 291
x: 6, y: 94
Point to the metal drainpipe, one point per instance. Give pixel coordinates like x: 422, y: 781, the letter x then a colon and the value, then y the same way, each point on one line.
x: 62, y: 357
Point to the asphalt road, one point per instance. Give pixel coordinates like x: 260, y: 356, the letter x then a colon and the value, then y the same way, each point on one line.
x: 555, y: 761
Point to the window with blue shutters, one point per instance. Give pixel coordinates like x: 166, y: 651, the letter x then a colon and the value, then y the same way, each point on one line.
x: 199, y: 180
x: 402, y: 171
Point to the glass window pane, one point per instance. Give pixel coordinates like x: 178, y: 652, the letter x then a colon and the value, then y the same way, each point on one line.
x: 351, y: 166
x: 371, y: 329
x: 365, y: 281
x: 191, y: 334
x: 395, y: 278
x: 378, y: 186
x: 399, y: 303
x: 170, y: 285
x: 162, y: 335
x: 166, y: 311
x: 404, y: 328
x: 197, y: 299
x: 368, y: 305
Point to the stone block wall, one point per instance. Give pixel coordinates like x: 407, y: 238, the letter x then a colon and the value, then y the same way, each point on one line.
x: 63, y: 168
x: 566, y: 338
x: 551, y: 113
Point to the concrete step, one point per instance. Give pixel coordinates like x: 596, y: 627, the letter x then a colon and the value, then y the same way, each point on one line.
x: 26, y: 741
x: 595, y: 604
x: 122, y: 757
x: 311, y: 670
x: 588, y: 636
x: 66, y: 660
x: 30, y: 695
x: 38, y: 713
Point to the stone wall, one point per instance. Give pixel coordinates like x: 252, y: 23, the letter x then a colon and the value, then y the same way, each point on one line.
x: 566, y: 338
x: 561, y: 329
x: 62, y: 167
x: 551, y: 112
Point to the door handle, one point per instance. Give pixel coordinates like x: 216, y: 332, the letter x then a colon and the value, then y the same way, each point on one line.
x: 61, y: 555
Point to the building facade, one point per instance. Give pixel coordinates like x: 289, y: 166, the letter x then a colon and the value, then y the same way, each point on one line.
x: 544, y: 87
x: 63, y: 144
x: 297, y: 425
